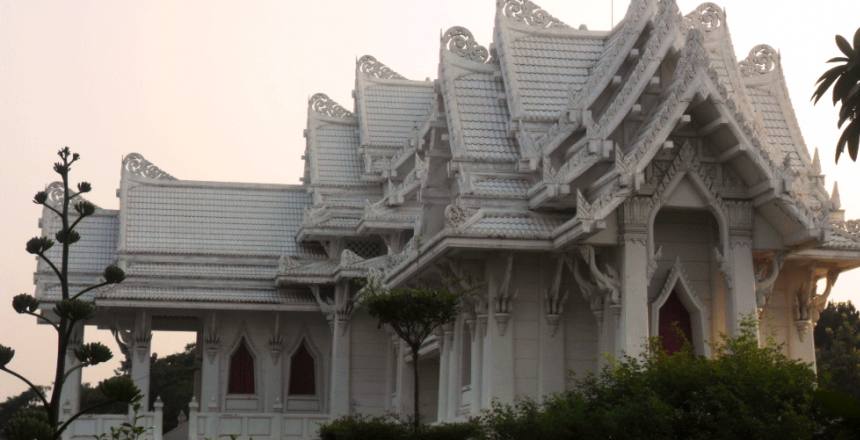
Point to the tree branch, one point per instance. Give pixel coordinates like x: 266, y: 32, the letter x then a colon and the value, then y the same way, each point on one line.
x: 30, y: 384
x: 43, y: 318
x: 75, y: 223
x: 48, y: 205
x: 51, y: 263
x: 95, y: 286
x: 80, y: 366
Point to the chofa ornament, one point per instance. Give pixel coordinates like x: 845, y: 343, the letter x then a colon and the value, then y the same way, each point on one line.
x: 322, y: 104
x: 524, y: 11
x: 373, y: 67
x: 761, y: 60
x: 460, y: 41
x: 137, y: 165
x: 708, y: 16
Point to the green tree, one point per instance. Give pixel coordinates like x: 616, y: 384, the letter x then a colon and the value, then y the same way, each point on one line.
x: 845, y: 80
x: 413, y: 314
x: 172, y: 379
x: 70, y: 310
x: 837, y: 348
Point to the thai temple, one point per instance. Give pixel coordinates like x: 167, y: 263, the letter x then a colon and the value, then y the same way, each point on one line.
x: 593, y: 188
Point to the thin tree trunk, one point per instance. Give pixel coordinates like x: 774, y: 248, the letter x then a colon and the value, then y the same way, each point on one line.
x: 416, y: 422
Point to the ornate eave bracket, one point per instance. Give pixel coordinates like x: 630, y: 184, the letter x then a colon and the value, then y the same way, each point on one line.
x: 555, y: 297
x: 136, y: 165
x: 808, y: 302
x: 460, y: 41
x: 321, y: 104
x: 504, y: 297
x: 370, y: 66
x: 528, y: 13
x: 767, y: 271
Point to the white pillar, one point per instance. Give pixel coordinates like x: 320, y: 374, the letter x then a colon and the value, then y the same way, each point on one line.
x: 444, y: 354
x: 499, y: 342
x: 210, y: 370
x: 140, y: 357
x: 742, y: 300
x: 477, y: 332
x: 340, y: 397
x: 633, y: 326
x: 453, y: 368
x: 551, y: 375
x: 71, y: 391
x: 404, y: 381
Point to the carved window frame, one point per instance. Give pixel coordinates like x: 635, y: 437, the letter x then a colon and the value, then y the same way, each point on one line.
x: 304, y: 337
x: 677, y: 282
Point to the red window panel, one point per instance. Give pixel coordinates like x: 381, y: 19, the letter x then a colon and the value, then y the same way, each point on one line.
x: 302, y: 373
x: 241, y: 371
x: 675, y: 324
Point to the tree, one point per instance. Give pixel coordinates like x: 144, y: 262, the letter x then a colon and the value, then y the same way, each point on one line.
x: 172, y: 379
x: 72, y: 309
x: 742, y: 392
x: 413, y: 313
x: 845, y: 80
x: 837, y: 348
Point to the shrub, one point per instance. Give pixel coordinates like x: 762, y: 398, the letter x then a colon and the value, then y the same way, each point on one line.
x: 392, y: 428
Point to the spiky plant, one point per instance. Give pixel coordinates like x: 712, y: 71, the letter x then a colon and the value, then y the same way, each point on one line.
x: 845, y: 80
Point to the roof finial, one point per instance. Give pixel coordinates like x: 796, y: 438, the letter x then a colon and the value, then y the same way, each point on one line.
x: 373, y: 67
x: 816, y: 163
x: 322, y: 104
x: 835, y: 201
x: 137, y: 165
x: 525, y: 11
x: 761, y: 60
x: 460, y: 41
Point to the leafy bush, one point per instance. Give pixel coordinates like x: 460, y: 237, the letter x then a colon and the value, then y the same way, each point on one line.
x: 28, y: 424
x: 391, y: 428
x: 743, y: 391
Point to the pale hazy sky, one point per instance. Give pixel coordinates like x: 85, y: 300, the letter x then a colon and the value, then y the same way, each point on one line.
x: 217, y: 90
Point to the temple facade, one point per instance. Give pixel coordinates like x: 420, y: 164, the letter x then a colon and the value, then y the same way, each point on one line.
x: 593, y: 188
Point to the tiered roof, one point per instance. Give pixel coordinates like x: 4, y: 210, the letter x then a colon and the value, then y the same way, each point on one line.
x: 531, y: 142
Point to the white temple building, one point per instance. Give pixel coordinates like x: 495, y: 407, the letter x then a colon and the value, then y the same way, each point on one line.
x: 596, y: 188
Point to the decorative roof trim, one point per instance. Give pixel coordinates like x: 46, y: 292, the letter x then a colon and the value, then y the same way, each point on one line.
x: 320, y: 103
x: 55, y: 192
x: 460, y: 41
x: 137, y: 165
x: 762, y: 59
x: 528, y: 13
x: 369, y: 65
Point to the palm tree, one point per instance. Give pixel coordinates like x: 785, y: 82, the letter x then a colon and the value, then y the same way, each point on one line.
x: 845, y: 80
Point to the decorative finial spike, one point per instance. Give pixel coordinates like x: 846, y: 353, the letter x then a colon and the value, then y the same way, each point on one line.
x: 835, y: 201
x: 816, y: 163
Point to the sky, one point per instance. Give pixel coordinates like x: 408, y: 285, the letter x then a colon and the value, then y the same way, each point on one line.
x: 217, y: 90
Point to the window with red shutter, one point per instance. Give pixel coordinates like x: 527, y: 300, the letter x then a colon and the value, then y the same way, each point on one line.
x: 302, y: 372
x: 241, y: 379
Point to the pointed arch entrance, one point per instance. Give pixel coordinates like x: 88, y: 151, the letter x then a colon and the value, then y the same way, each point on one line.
x: 677, y: 313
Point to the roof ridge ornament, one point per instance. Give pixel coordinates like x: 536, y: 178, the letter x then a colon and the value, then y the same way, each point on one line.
x: 55, y: 192
x: 708, y: 17
x: 460, y: 41
x: 369, y: 65
x: 529, y: 13
x: 137, y: 165
x: 761, y: 60
x: 322, y: 104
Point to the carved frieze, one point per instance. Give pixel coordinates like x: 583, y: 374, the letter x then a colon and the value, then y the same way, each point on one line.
x: 460, y: 41
x: 526, y: 12
x: 322, y: 104
x: 369, y: 65
x: 136, y: 165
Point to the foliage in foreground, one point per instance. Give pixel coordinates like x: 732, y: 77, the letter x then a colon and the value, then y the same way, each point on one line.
x: 837, y: 348
x: 391, y: 428
x: 742, y: 392
x: 845, y: 80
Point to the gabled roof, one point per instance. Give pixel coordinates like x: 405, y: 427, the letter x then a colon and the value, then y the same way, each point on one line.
x: 390, y: 107
x: 474, y: 96
x: 544, y: 61
x: 332, y: 144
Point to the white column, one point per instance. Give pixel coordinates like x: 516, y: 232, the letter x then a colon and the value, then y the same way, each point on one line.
x: 477, y: 331
x: 210, y: 369
x: 274, y: 375
x: 71, y: 391
x: 552, y: 366
x: 340, y: 357
x: 453, y: 368
x: 742, y: 300
x: 444, y: 354
x: 499, y: 343
x: 140, y: 356
x: 633, y: 322
x: 404, y: 381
